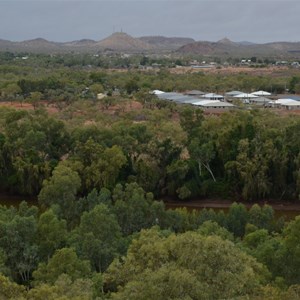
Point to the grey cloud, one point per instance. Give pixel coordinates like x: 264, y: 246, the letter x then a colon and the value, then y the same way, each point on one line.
x: 258, y: 21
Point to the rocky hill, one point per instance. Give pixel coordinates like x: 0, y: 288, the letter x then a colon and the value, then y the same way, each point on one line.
x: 225, y: 47
x: 166, y: 43
x: 117, y: 42
x: 38, y: 45
x: 121, y: 41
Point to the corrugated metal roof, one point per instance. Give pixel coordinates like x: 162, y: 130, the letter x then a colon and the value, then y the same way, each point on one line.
x: 245, y: 95
x: 233, y: 93
x: 286, y: 102
x: 204, y: 102
x: 261, y: 93
x: 213, y: 103
x: 213, y: 95
x: 168, y: 95
x: 294, y: 103
x: 220, y: 104
x: 260, y: 99
x: 191, y: 101
x: 296, y: 98
x: 194, y: 92
x: 282, y: 101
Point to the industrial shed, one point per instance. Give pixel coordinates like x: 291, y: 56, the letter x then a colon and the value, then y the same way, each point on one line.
x: 195, y: 93
x: 259, y: 101
x: 214, y: 104
x: 289, y: 104
x: 213, y: 96
x: 177, y: 97
x: 202, y: 102
x: 233, y: 93
x: 261, y: 93
x: 295, y: 105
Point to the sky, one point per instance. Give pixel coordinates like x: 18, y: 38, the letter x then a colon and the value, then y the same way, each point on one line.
x: 239, y: 20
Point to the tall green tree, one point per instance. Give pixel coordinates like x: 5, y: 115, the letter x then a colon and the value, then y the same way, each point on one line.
x: 51, y: 234
x: 64, y: 261
x: 61, y: 190
x: 186, y: 266
x: 98, y: 237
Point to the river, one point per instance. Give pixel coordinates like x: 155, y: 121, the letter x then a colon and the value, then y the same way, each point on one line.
x: 288, y: 210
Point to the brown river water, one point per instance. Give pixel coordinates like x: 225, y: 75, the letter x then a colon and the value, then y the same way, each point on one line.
x: 282, y: 209
x: 287, y: 210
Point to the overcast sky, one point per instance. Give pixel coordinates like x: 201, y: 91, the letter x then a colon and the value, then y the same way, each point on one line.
x: 242, y: 20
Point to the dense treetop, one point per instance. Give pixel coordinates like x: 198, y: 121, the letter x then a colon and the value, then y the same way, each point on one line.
x: 97, y: 168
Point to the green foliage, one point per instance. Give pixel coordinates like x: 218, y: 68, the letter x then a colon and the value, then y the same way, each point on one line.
x: 237, y: 219
x: 292, y: 251
x: 10, y: 290
x: 63, y: 261
x: 33, y: 145
x: 64, y: 288
x: 135, y: 209
x: 212, y: 228
x: 51, y: 234
x: 61, y: 190
x: 97, y: 237
x: 18, y: 243
x: 261, y: 217
x: 97, y: 166
x: 185, y: 266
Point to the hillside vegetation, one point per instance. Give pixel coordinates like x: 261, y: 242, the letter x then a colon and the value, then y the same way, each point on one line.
x: 100, y: 167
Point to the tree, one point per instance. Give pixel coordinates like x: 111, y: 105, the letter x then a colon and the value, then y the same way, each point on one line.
x: 131, y: 86
x: 10, y: 290
x: 11, y: 91
x: 203, y: 154
x: 261, y: 217
x: 98, y: 166
x: 191, y: 120
x: 51, y: 234
x: 184, y: 266
x: 259, y: 243
x: 212, y: 228
x: 251, y: 167
x: 291, y: 252
x: 61, y: 190
x: 64, y: 288
x: 33, y: 145
x: 64, y: 261
x: 34, y: 99
x: 18, y: 242
x: 134, y: 208
x: 237, y: 219
x: 98, y: 237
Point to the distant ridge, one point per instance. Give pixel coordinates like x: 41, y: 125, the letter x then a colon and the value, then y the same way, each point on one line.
x: 121, y: 42
x: 226, y: 41
x: 246, y: 43
x: 166, y: 43
x: 226, y: 47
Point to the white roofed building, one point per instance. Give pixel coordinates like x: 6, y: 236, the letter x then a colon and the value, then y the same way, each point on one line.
x: 289, y: 104
x: 261, y: 93
x: 213, y: 96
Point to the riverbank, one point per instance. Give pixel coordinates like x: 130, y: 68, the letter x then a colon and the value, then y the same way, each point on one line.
x: 219, y: 204
x: 287, y: 210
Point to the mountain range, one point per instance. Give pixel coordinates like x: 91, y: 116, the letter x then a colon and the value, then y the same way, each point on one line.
x: 117, y: 42
x: 225, y: 47
x: 122, y: 42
